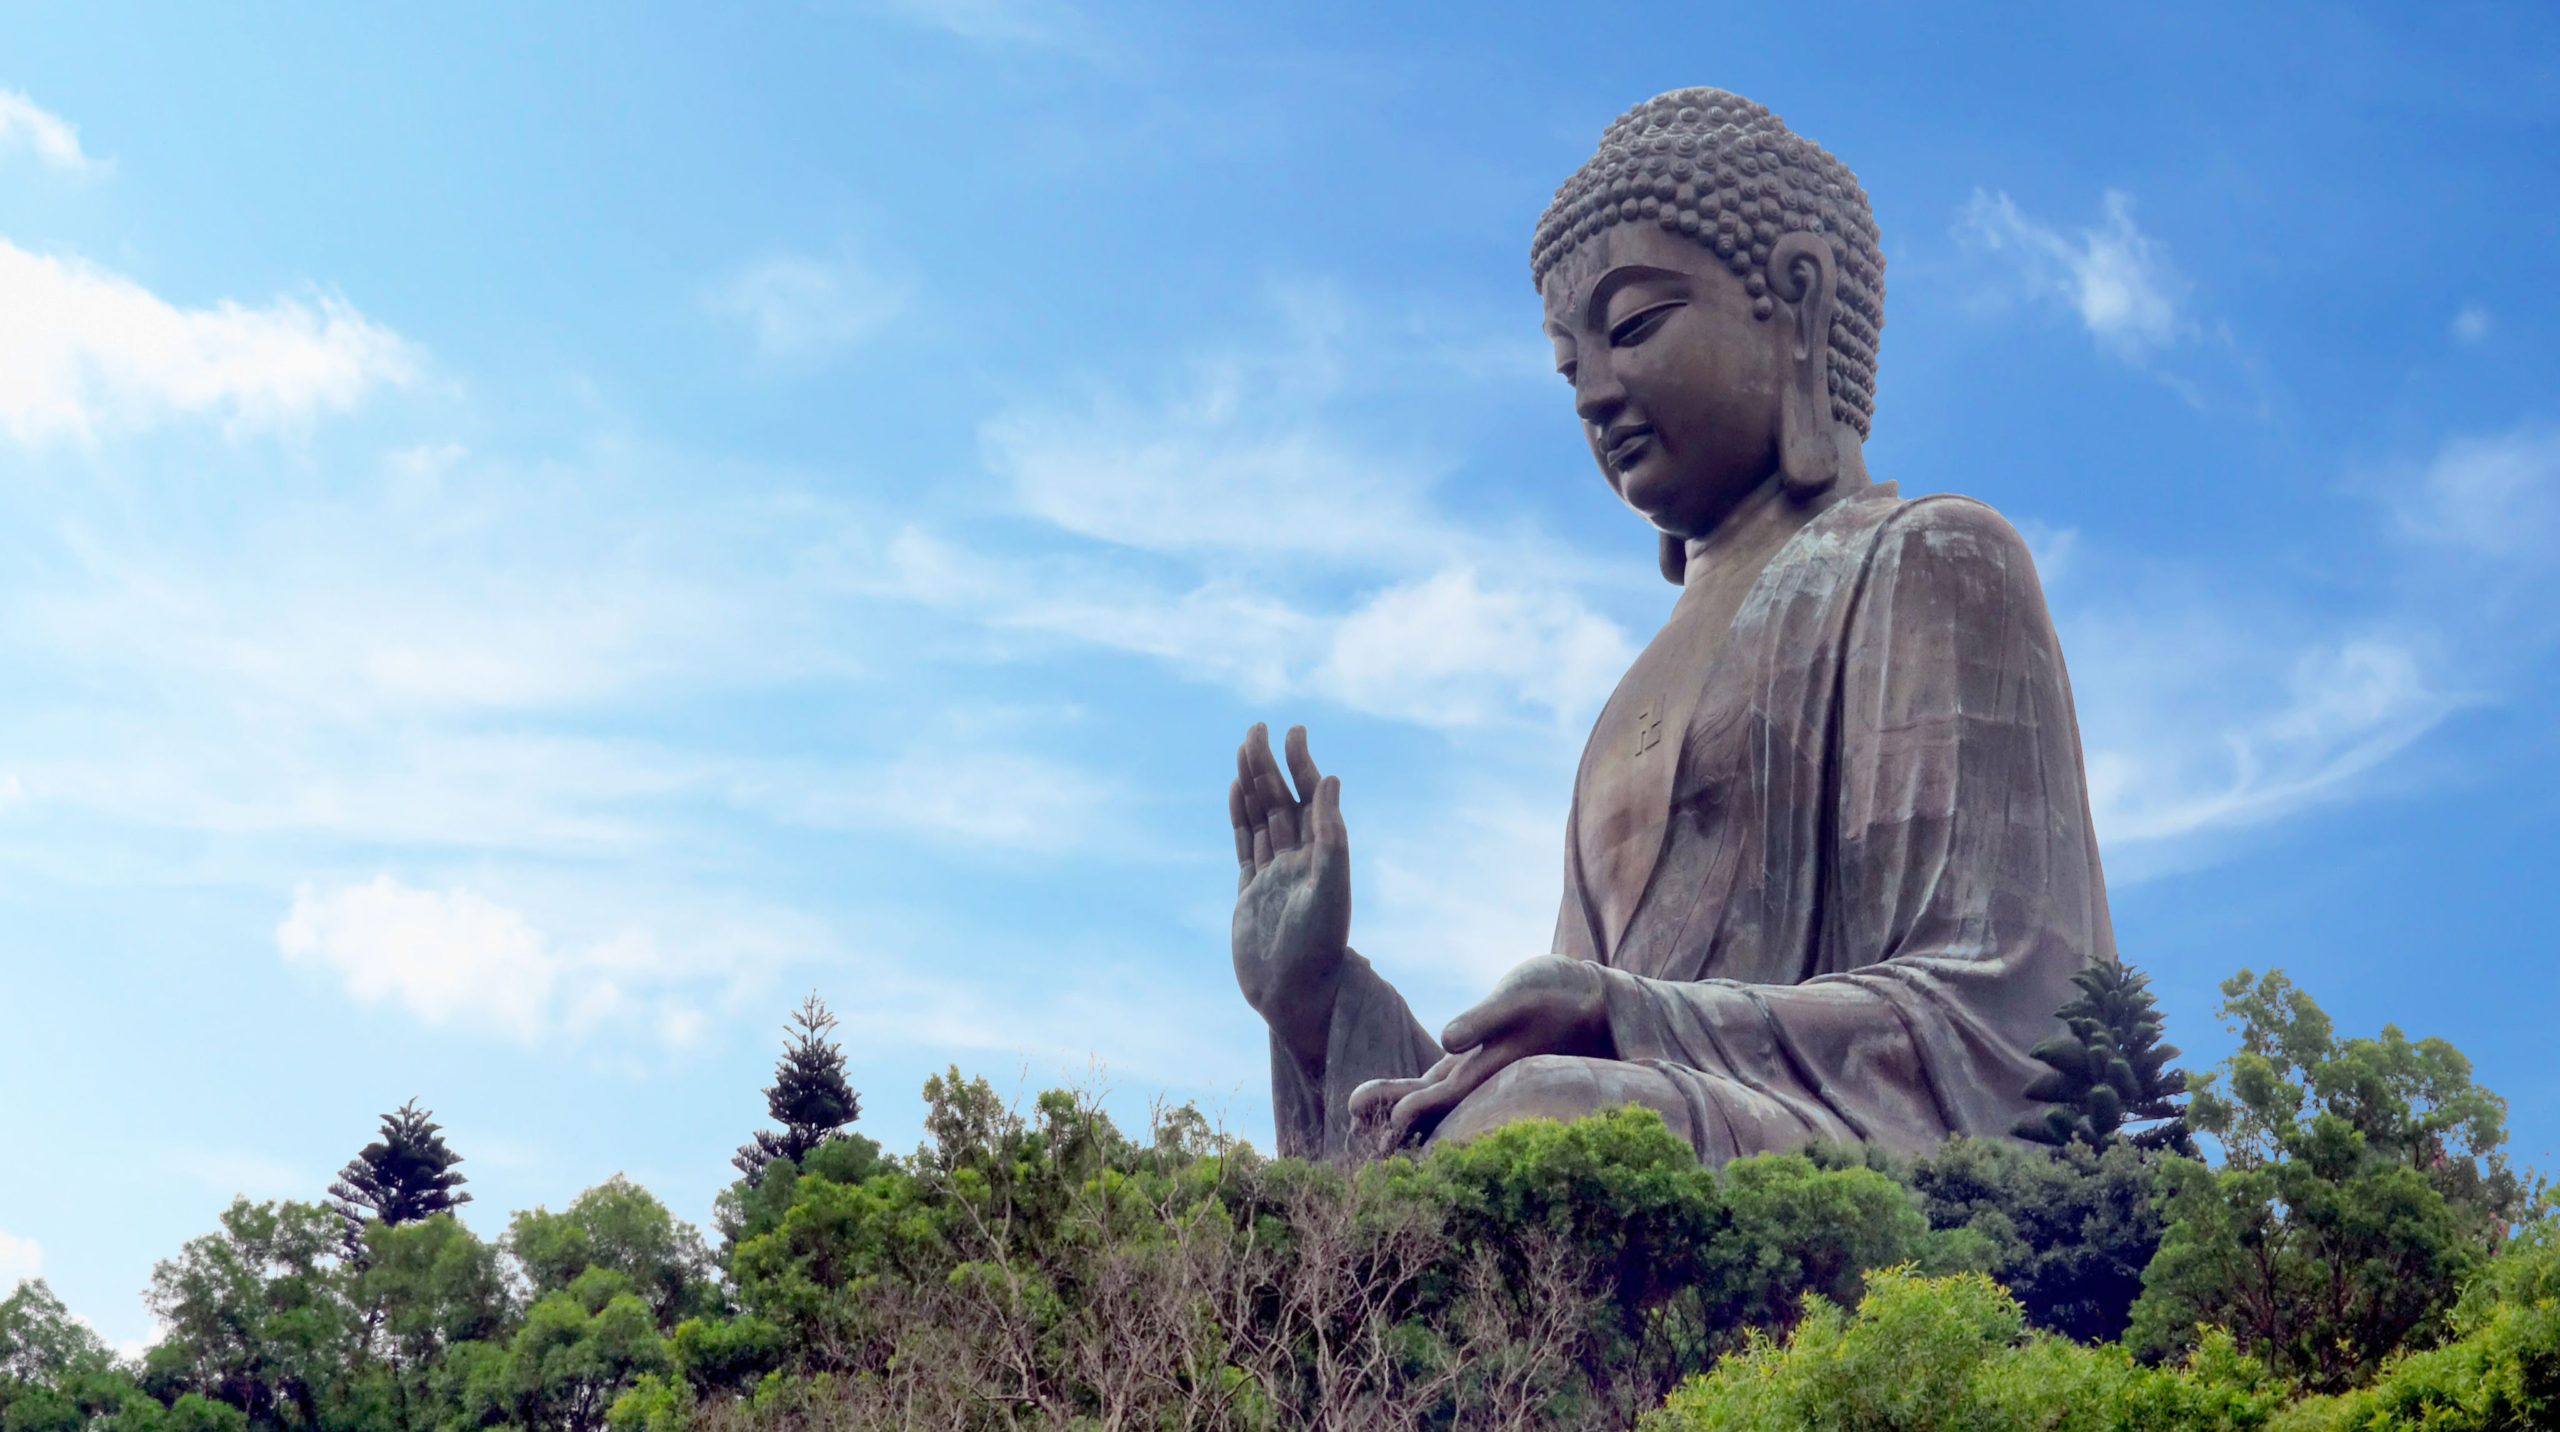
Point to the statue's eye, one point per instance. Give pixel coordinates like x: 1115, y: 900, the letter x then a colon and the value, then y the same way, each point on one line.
x: 1638, y: 326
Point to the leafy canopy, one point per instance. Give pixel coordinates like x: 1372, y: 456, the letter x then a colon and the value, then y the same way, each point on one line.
x: 2362, y: 1183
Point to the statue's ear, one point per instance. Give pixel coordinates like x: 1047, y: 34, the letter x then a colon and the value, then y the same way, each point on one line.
x: 1803, y: 274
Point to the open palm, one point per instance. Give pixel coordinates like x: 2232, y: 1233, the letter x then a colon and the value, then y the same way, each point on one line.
x: 1293, y: 889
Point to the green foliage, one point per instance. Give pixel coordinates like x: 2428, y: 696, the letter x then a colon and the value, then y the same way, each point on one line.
x: 1035, y: 1267
x: 404, y: 1176
x: 2109, y: 1069
x: 2501, y: 1372
x: 2361, y: 1185
x: 579, y: 1348
x: 57, y: 1376
x: 1954, y: 1354
x: 2067, y: 1231
x: 257, y: 1315
x: 619, y: 1226
x: 808, y: 1097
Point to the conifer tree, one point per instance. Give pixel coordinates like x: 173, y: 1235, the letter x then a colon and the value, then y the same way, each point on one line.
x: 403, y: 1177
x: 809, y: 1097
x: 2109, y: 1070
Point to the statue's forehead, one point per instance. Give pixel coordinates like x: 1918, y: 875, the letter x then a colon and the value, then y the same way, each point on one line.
x: 1571, y: 278
x: 1569, y: 282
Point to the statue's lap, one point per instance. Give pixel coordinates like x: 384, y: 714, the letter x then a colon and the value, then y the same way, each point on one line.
x: 1563, y: 1086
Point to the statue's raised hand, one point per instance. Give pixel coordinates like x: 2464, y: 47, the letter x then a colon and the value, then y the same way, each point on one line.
x: 1293, y: 890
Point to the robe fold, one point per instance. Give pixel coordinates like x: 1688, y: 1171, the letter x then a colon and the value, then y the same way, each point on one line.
x: 1878, y: 874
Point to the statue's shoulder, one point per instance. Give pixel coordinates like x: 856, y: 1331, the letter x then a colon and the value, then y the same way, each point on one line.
x: 1950, y: 528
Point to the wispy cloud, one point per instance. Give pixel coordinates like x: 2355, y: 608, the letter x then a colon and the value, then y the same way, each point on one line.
x: 2186, y: 759
x: 53, y: 140
x: 799, y: 310
x: 2207, y: 709
x: 2472, y: 323
x: 86, y: 350
x: 1250, y: 534
x: 2117, y: 280
x: 2495, y: 496
x: 458, y: 958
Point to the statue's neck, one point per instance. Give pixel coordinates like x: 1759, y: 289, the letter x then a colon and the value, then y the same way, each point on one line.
x: 1763, y: 521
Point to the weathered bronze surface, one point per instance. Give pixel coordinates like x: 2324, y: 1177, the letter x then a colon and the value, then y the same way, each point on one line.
x: 1829, y: 867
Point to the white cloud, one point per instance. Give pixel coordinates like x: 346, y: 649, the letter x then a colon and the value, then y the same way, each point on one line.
x: 2182, y: 764
x: 1449, y: 650
x: 53, y: 140
x: 1468, y: 892
x: 85, y: 350
x: 2496, y: 496
x: 1240, y: 461
x: 2471, y: 324
x: 2206, y: 709
x: 1277, y: 550
x: 12, y: 791
x: 802, y: 309
x: 20, y: 1259
x: 2115, y: 278
x: 642, y: 963
x: 451, y: 958
x: 964, y: 795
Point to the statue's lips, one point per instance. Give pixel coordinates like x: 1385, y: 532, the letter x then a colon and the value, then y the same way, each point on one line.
x: 1628, y: 445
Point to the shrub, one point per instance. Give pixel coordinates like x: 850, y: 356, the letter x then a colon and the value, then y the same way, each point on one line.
x: 1955, y: 1354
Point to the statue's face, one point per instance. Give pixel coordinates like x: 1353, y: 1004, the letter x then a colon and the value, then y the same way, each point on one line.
x: 1677, y: 385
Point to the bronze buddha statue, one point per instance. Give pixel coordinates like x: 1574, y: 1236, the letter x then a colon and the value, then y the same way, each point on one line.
x: 1829, y: 867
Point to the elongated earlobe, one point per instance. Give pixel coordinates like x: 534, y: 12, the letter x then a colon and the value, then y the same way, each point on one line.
x: 1801, y: 271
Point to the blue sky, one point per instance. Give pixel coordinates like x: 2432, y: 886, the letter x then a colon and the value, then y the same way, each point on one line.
x: 527, y: 543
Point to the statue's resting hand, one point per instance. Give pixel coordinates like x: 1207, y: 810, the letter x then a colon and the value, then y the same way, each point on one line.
x: 1547, y: 1005
x: 1293, y: 891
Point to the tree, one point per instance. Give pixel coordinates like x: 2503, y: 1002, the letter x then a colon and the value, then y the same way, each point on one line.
x: 809, y: 1097
x: 2109, y: 1069
x: 621, y: 1227
x: 2361, y: 1184
x: 57, y: 1375
x: 2068, y: 1231
x: 257, y: 1315
x: 402, y: 1177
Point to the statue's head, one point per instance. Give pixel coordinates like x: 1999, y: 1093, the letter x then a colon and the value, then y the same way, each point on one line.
x: 1714, y: 290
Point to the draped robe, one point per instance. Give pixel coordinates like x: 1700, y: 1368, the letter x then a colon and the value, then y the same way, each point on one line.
x: 1877, y: 876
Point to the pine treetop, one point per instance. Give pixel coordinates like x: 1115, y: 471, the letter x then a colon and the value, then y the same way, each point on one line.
x: 403, y: 1177
x: 2109, y: 1069
x: 809, y: 1095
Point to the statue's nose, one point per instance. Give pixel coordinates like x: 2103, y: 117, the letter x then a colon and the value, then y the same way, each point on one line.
x: 1597, y: 393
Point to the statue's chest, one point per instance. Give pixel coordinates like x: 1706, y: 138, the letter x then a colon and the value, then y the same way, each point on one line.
x: 1636, y: 755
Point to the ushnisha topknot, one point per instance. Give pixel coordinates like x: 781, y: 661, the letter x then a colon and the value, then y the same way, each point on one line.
x: 1730, y: 174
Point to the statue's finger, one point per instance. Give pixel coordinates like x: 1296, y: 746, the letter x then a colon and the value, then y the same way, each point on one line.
x: 1476, y: 1025
x: 1280, y: 814
x: 1261, y: 847
x: 1430, y: 1104
x: 1302, y: 766
x: 1244, y: 832
x: 1380, y: 1095
x: 1325, y: 819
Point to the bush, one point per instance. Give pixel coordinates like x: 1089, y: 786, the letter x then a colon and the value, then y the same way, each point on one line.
x: 2067, y: 1231
x: 1954, y: 1354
